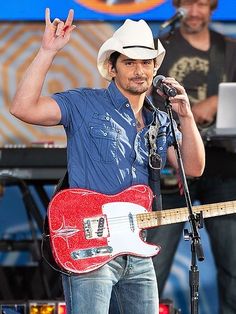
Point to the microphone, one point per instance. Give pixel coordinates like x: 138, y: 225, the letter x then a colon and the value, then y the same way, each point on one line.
x: 164, y: 88
x: 180, y: 13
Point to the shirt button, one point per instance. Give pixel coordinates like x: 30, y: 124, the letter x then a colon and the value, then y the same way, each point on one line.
x: 127, y: 105
x: 134, y: 169
x: 134, y: 124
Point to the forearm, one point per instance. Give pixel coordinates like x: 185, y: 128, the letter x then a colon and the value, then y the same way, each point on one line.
x: 192, y: 147
x: 29, y: 89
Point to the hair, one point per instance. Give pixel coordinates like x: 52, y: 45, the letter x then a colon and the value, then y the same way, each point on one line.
x: 213, y: 3
x: 113, y: 58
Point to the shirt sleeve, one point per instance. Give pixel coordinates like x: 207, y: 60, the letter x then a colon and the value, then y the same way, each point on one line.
x: 72, y: 104
x: 170, y: 137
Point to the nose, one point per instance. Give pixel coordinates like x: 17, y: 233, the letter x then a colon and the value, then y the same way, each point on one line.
x: 138, y: 68
x: 193, y: 9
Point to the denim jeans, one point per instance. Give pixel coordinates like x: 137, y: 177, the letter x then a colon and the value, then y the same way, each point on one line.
x: 128, y: 282
x: 221, y: 231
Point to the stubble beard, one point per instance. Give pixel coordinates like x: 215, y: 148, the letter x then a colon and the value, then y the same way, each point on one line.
x: 194, y: 30
x: 137, y: 90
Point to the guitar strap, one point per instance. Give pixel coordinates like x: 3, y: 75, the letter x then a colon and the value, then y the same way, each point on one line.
x: 216, y: 71
x: 154, y: 164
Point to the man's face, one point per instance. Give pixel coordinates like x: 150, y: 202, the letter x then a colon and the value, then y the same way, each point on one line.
x: 132, y: 77
x: 198, y: 16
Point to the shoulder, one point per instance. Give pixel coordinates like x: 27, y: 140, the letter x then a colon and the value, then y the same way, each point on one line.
x: 216, y: 35
x: 82, y: 93
x: 231, y: 42
x: 86, y: 91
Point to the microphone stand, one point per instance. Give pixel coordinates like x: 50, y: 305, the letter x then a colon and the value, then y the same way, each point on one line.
x: 196, y: 221
x: 170, y: 33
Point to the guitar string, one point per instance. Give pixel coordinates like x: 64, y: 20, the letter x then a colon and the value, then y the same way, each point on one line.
x: 221, y: 207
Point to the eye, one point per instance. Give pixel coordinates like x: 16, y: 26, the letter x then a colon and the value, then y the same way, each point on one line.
x: 129, y: 63
x: 147, y: 62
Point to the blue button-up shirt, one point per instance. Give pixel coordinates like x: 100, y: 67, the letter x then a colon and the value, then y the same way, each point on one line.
x: 105, y: 151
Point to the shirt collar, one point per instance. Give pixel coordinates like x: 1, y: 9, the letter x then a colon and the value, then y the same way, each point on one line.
x: 118, y: 99
x: 149, y: 112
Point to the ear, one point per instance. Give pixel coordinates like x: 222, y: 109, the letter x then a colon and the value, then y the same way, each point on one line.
x: 111, y: 70
x: 154, y: 71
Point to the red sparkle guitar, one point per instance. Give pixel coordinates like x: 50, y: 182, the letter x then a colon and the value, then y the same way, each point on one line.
x: 88, y: 229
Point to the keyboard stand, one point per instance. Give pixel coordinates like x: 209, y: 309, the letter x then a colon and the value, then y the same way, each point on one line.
x: 33, y: 215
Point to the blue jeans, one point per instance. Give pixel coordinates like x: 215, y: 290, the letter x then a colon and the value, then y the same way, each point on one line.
x: 128, y: 282
x: 221, y: 231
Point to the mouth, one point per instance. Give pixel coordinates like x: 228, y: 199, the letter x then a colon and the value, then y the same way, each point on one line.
x: 193, y: 20
x: 138, y: 80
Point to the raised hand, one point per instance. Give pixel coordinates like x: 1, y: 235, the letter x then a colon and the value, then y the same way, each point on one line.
x: 57, y: 33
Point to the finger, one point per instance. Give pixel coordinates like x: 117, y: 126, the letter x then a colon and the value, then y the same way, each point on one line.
x: 60, y: 27
x: 169, y: 80
x: 70, y: 17
x: 56, y: 21
x: 68, y: 29
x: 180, y: 89
x: 47, y: 16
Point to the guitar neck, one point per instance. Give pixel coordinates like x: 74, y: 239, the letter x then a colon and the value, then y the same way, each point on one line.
x: 170, y: 216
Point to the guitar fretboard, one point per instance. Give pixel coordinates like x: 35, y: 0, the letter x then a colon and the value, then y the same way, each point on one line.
x: 170, y: 216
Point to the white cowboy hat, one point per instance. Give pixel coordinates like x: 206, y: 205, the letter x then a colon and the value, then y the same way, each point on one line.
x: 133, y: 39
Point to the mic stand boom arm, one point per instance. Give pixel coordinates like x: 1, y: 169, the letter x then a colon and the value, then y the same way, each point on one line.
x: 195, y: 223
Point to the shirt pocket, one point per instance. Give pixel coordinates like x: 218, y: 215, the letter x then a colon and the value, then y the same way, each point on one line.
x: 104, y: 143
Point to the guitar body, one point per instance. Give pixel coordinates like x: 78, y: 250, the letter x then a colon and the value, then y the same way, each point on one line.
x: 88, y: 229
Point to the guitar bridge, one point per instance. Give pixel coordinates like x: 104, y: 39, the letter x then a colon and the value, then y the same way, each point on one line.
x: 96, y: 227
x: 92, y: 252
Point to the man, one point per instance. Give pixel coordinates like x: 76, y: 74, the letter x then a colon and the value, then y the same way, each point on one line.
x: 200, y: 59
x: 107, y: 145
